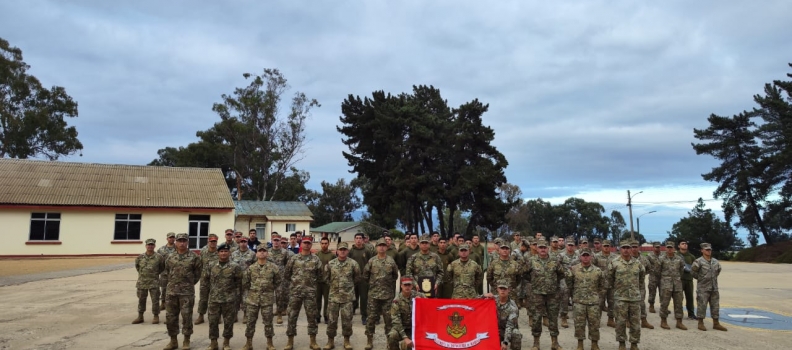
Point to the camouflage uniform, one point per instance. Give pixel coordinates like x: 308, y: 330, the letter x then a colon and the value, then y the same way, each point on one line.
x: 623, y: 277
x: 644, y: 260
x: 706, y: 273
x: 426, y: 265
x: 243, y: 260
x: 164, y: 251
x: 304, y: 272
x: 207, y: 258
x: 401, y: 314
x: 183, y: 272
x: 341, y: 276
x: 465, y: 275
x: 446, y: 289
x: 323, y: 289
x: 380, y: 275
x: 361, y: 256
x: 602, y: 261
x: 586, y: 284
x: 504, y: 270
x: 654, y: 276
x: 260, y: 282
x: 569, y: 260
x: 280, y: 256
x: 149, y: 269
x: 221, y: 285
x: 477, y: 254
x: 545, y: 275
x: 671, y: 284
x: 508, y: 330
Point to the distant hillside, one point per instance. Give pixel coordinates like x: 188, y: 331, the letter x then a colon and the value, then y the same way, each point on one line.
x: 777, y: 253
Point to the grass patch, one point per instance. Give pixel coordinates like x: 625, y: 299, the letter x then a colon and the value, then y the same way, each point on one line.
x: 747, y: 254
x: 785, y: 258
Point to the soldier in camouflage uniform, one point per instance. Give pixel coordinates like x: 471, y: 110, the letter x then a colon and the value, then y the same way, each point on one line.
x: 183, y: 270
x: 623, y: 275
x: 635, y: 250
x: 569, y: 257
x: 654, y: 274
x: 706, y: 270
x: 164, y: 251
x: 208, y: 255
x: 545, y: 273
x: 323, y: 290
x: 280, y: 256
x: 425, y: 265
x: 361, y: 254
x: 304, y: 270
x: 222, y: 286
x: 401, y: 314
x: 465, y: 274
x: 525, y: 285
x: 507, y: 311
x: 447, y: 288
x: 516, y: 241
x: 504, y: 268
x: 671, y: 267
x: 586, y: 283
x: 380, y: 273
x: 602, y: 260
x: 231, y: 241
x: 243, y: 257
x: 260, y: 281
x: 149, y: 265
x: 341, y: 274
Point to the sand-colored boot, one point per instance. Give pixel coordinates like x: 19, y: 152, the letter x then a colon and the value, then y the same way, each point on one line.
x: 186, y: 343
x: 634, y: 346
x: 199, y: 320
x: 330, y: 344
x: 270, y: 345
x: 680, y: 325
x: 290, y: 343
x: 212, y: 345
x: 545, y: 321
x: 279, y: 319
x: 226, y: 343
x: 717, y: 326
x: 314, y: 345
x: 173, y: 345
x: 139, y: 319
x: 594, y: 345
x: 622, y: 346
x: 535, y: 344
x: 564, y: 322
x: 369, y: 342
x: 155, y: 320
x: 645, y: 323
x: 248, y: 344
x: 580, y: 345
x: 347, y: 344
x: 664, y: 323
x: 651, y: 308
x: 555, y: 345
x: 701, y: 326
x: 611, y: 322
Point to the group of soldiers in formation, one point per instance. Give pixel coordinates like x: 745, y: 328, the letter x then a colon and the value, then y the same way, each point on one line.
x: 545, y: 279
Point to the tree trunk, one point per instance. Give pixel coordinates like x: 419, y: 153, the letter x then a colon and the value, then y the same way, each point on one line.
x: 419, y: 217
x: 752, y: 200
x: 427, y: 215
x: 451, y: 212
x: 441, y: 219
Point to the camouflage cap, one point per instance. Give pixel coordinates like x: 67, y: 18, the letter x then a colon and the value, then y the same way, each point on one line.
x: 606, y: 242
x: 554, y: 239
x: 497, y: 241
x: 170, y: 234
x: 541, y: 243
x: 182, y: 236
x: 425, y: 238
x: 583, y: 239
x: 223, y: 246
x: 382, y: 241
x: 212, y: 237
x: 670, y: 244
x: 343, y: 245
x: 503, y: 283
x: 570, y: 240
x: 531, y: 240
x: 262, y: 247
x: 151, y: 241
x: 656, y: 244
x: 464, y: 247
x: 585, y: 251
x: 502, y: 244
x: 705, y: 246
x: 597, y: 240
x: 634, y: 243
x: 624, y: 243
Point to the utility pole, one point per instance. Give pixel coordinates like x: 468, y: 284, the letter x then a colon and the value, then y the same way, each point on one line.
x: 629, y: 206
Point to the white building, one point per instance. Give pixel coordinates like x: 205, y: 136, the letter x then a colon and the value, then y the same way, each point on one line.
x: 269, y: 216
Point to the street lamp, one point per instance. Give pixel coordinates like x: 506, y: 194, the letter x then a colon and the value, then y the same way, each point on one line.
x: 629, y: 206
x: 638, y: 219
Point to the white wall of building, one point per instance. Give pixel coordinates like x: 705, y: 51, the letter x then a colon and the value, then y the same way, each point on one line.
x: 245, y: 223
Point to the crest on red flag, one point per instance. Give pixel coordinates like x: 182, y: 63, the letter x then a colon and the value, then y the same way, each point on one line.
x: 455, y: 324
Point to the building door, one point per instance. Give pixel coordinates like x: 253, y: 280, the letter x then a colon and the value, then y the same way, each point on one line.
x: 199, y: 231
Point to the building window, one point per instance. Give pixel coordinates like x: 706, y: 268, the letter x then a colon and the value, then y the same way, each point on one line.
x: 127, y: 227
x: 291, y: 227
x: 45, y: 226
x: 199, y: 231
x: 261, y: 229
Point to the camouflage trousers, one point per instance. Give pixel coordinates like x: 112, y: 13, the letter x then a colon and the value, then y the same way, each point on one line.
x: 643, y: 301
x: 163, y: 286
x: 228, y: 312
x: 345, y: 309
x: 143, y: 294
x: 607, y: 296
x: 395, y: 341
x: 361, y: 298
x: 628, y: 313
x: 282, y: 297
x: 587, y: 315
x: 515, y: 341
x: 323, y: 298
x: 251, y: 316
x: 708, y: 297
x: 377, y: 307
x: 545, y: 304
x: 203, y: 303
x: 665, y: 299
x: 302, y: 297
x: 654, y: 288
x: 563, y: 296
x: 175, y: 306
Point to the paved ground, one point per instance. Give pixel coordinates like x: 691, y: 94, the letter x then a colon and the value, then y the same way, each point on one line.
x: 94, y: 311
x: 27, y: 266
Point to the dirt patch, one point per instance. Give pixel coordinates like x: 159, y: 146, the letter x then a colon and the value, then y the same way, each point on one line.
x: 16, y: 267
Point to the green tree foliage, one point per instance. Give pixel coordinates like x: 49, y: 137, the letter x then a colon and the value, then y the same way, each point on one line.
x: 703, y: 226
x: 627, y: 235
x: 336, y: 202
x: 575, y: 217
x: 32, y: 117
x: 415, y: 156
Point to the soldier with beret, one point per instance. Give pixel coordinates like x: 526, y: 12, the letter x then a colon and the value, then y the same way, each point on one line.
x: 221, y: 286
x: 259, y: 281
x: 164, y: 251
x: 149, y: 265
x: 183, y: 270
x: 706, y: 270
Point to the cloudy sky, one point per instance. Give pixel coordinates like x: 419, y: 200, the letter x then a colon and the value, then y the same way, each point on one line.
x: 587, y: 98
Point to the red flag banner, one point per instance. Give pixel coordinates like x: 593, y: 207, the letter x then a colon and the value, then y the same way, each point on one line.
x: 440, y: 324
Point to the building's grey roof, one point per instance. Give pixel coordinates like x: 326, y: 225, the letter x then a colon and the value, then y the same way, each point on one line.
x: 273, y: 210
x: 336, y: 227
x: 35, y: 182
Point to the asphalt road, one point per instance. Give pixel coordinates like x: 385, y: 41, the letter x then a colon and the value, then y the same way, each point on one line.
x: 94, y: 311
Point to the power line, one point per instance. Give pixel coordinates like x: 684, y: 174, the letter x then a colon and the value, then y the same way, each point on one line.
x: 677, y: 201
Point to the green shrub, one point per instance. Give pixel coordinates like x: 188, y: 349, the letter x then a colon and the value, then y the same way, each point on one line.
x: 747, y: 254
x: 785, y: 258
